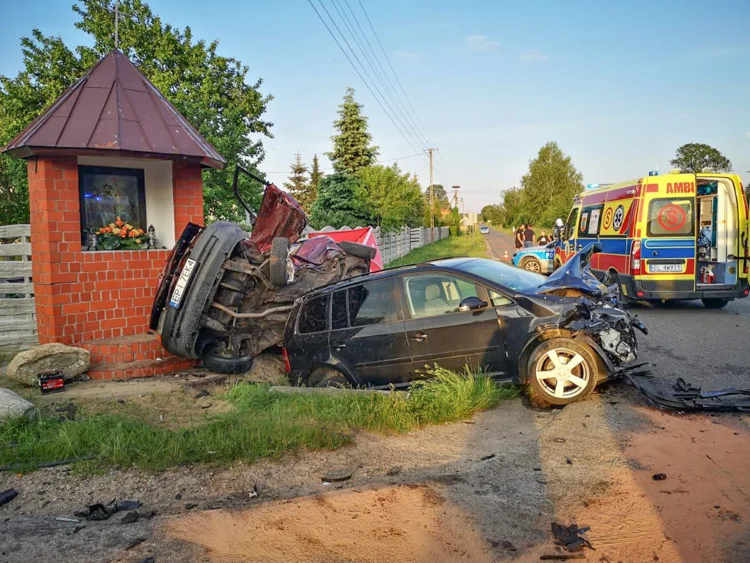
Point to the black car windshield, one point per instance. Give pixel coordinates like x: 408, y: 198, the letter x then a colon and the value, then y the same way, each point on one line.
x: 503, y: 275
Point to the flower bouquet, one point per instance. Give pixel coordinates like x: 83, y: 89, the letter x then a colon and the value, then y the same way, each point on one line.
x: 121, y: 235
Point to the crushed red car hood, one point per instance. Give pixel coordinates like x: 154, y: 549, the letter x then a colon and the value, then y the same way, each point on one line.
x: 279, y: 216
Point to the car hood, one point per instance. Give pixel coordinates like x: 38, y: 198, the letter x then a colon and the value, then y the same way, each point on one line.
x: 576, y: 274
x: 279, y: 216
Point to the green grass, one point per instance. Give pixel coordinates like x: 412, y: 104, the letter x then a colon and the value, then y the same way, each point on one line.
x: 262, y: 423
x: 451, y: 246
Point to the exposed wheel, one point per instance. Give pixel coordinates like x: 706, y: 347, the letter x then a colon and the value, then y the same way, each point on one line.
x: 213, y: 360
x: 358, y: 250
x: 561, y: 371
x: 327, y: 377
x: 714, y: 303
x: 278, y: 265
x: 531, y: 264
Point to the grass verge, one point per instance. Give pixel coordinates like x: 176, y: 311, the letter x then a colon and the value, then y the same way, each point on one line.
x: 261, y: 423
x: 445, y: 248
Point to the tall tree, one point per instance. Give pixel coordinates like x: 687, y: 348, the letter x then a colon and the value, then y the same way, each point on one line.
x: 697, y: 157
x: 298, y: 184
x: 210, y: 90
x: 316, y: 174
x: 549, y: 186
x: 338, y: 203
x: 393, y: 199
x: 352, y: 148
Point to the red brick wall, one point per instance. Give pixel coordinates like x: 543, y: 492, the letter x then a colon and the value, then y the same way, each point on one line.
x: 83, y: 296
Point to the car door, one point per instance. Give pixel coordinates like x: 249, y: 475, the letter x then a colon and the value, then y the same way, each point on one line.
x: 439, y: 332
x: 367, y: 333
x: 567, y: 245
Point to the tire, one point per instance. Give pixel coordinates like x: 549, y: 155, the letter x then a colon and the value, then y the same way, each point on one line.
x: 279, y: 256
x: 181, y: 327
x: 545, y: 391
x: 327, y: 377
x: 223, y: 364
x: 358, y: 250
x: 714, y: 303
x: 531, y: 264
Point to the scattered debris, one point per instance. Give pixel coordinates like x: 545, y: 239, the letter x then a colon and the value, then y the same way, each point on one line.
x: 684, y: 396
x: 254, y: 492
x: 568, y: 461
x: 78, y: 529
x: 131, y: 517
x: 66, y: 519
x: 128, y: 505
x: 337, y: 476
x: 178, y: 496
x: 51, y: 382
x: 190, y: 505
x: 134, y: 543
x: 659, y: 476
x: 98, y: 511
x: 149, y: 559
x: 486, y: 457
x: 562, y: 556
x: 7, y: 496
x: 206, y: 406
x: 202, y: 393
x: 571, y: 536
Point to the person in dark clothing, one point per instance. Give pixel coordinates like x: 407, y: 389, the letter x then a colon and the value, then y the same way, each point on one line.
x: 528, y: 236
x: 543, y: 239
x: 519, y: 235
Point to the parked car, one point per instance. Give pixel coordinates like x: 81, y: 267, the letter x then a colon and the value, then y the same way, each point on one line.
x: 559, y: 335
x: 484, y: 229
x: 224, y: 296
x: 539, y: 259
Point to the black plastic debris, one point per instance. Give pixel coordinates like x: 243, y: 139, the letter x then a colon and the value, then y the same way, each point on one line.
x: 7, y: 496
x: 336, y: 476
x: 98, y: 511
x: 149, y: 559
x: 684, y: 396
x: 128, y: 505
x: 201, y: 394
x: 131, y: 517
x: 570, y: 537
x: 659, y: 476
x: 486, y: 457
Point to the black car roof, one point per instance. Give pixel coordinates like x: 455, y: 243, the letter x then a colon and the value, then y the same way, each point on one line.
x: 391, y: 272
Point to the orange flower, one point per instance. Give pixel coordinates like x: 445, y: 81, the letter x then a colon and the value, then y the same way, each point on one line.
x: 119, y: 223
x: 108, y: 229
x: 123, y: 234
x: 132, y: 234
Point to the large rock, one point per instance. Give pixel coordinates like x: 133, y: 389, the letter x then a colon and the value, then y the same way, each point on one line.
x: 68, y: 360
x: 14, y: 406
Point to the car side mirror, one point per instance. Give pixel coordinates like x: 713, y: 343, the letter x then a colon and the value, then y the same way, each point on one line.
x: 471, y: 304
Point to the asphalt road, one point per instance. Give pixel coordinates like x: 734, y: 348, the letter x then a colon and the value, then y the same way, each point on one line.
x: 708, y: 348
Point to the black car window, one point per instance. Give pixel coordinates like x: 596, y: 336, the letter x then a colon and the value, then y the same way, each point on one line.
x: 570, y: 225
x: 338, y: 310
x: 374, y: 302
x: 499, y: 300
x: 314, y: 316
x: 436, y: 294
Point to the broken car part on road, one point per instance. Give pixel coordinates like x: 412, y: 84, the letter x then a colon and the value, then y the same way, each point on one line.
x: 682, y: 396
x: 559, y: 335
x: 224, y: 296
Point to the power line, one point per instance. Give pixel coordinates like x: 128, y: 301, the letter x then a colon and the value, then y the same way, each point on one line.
x: 377, y: 162
x: 333, y: 21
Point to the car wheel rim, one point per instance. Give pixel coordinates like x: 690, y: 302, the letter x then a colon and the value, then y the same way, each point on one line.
x: 533, y: 266
x: 562, y: 373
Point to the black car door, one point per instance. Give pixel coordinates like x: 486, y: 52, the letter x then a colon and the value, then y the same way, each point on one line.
x: 370, y: 341
x: 439, y: 333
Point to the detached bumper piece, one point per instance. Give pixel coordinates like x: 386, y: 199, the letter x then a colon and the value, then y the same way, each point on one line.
x: 682, y: 396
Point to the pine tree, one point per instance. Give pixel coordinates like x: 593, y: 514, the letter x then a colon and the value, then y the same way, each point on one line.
x: 352, y: 149
x: 298, y: 184
x: 315, y: 176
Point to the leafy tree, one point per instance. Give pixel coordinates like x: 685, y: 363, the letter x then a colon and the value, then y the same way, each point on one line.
x: 338, y: 203
x: 210, y: 90
x: 697, y: 157
x: 549, y: 186
x: 298, y: 184
x: 394, y: 199
x: 493, y: 214
x: 440, y: 203
x: 316, y: 174
x: 352, y: 149
x: 512, y: 207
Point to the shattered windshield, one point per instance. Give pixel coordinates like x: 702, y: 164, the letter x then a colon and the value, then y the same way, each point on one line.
x: 502, y: 274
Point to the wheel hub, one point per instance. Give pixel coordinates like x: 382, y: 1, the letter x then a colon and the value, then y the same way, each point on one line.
x: 562, y: 373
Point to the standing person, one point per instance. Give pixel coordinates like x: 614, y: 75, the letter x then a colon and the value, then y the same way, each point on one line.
x: 519, y: 235
x: 528, y: 236
x: 543, y: 239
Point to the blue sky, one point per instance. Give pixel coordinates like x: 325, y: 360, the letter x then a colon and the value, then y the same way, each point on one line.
x: 618, y: 85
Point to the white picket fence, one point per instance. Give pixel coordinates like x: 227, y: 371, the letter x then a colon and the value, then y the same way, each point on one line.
x: 395, y: 244
x: 17, y: 310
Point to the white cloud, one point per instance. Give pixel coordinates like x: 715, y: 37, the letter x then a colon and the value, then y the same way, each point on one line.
x: 481, y: 43
x: 533, y: 56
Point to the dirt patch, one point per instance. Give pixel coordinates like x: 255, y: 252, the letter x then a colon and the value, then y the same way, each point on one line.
x: 402, y: 523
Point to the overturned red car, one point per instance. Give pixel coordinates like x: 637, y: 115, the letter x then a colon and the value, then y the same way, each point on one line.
x: 224, y: 296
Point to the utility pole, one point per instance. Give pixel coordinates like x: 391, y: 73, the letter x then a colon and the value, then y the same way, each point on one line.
x: 432, y: 198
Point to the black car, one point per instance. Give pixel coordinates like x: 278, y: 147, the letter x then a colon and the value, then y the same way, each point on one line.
x: 560, y: 335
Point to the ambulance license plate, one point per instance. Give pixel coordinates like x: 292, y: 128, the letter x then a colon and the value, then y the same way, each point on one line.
x: 665, y: 268
x: 182, y: 281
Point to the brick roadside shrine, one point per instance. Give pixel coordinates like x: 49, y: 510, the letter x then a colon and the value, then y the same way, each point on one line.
x: 110, y: 146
